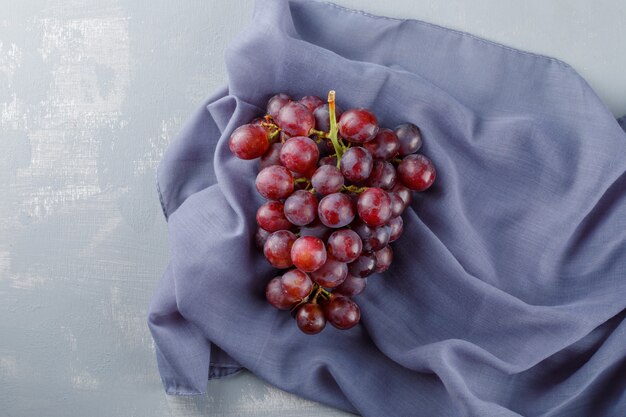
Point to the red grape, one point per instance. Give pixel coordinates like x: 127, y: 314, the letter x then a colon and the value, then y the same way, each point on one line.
x: 276, y: 103
x: 322, y: 117
x: 316, y: 228
x: 301, y: 208
x: 249, y: 141
x: 416, y: 172
x: 274, y: 182
x: 311, y: 102
x: 260, y: 237
x: 395, y: 225
x: 271, y: 217
x: 310, y: 318
x: 374, y: 207
x: 327, y: 179
x: 328, y: 160
x: 410, y: 138
x: 397, y: 204
x: 297, y: 284
x: 271, y: 157
x: 358, y: 125
x: 373, y: 238
x: 295, y: 119
x: 331, y: 274
x: 299, y: 154
x: 351, y: 286
x: 277, y: 249
x: 404, y: 193
x: 277, y: 296
x: 384, y: 257
x: 385, y: 144
x: 308, y: 253
x: 383, y: 175
x: 356, y: 164
x: 363, y: 266
x: 342, y: 312
x: 258, y: 121
x: 345, y: 245
x: 336, y: 210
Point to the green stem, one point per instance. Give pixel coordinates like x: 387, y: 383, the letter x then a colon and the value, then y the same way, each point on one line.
x: 319, y: 133
x: 332, y: 134
x: 273, y: 135
x: 353, y: 189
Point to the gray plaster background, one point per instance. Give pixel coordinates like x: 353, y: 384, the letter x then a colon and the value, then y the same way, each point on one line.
x: 91, y: 93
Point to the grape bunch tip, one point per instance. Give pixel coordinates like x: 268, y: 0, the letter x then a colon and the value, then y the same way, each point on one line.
x: 336, y: 185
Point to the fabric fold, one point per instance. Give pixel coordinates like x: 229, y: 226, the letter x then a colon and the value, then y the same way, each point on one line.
x: 507, y: 294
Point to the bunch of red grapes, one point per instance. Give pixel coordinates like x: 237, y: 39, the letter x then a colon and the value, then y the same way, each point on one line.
x: 336, y: 185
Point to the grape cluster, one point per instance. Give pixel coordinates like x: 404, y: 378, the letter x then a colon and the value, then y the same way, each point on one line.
x: 336, y: 185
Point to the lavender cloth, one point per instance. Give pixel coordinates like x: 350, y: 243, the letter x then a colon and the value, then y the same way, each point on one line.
x: 507, y: 294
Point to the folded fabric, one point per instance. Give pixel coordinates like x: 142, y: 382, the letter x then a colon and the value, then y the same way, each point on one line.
x: 507, y: 293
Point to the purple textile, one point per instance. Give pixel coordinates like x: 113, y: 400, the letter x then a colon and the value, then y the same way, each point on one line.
x: 507, y: 294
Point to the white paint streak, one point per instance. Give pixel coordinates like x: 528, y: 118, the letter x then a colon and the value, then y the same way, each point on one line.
x: 150, y: 160
x: 63, y: 145
x: 83, y: 380
x: 8, y: 366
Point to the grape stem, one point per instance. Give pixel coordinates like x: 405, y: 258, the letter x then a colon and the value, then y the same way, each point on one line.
x: 332, y: 134
x: 353, y: 189
x: 319, y: 133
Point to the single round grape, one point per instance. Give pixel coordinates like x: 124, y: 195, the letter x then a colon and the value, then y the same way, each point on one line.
x: 276, y: 103
x: 416, y: 172
x: 271, y: 157
x: 299, y: 154
x: 308, y: 253
x: 351, y: 286
x: 374, y: 206
x: 277, y: 248
x: 316, y: 228
x: 410, y: 138
x: 331, y: 274
x: 295, y: 119
x: 322, y: 117
x: 296, y: 284
x: 336, y: 210
x: 310, y: 318
x: 249, y: 141
x: 397, y: 204
x: 277, y: 296
x: 373, y: 238
x: 327, y: 179
x: 396, y: 225
x: 358, y: 125
x: 274, y: 182
x: 342, y: 312
x: 356, y: 164
x: 328, y: 160
x: 301, y: 208
x: 311, y: 102
x: 363, y: 266
x: 383, y: 175
x: 271, y: 217
x: 404, y: 193
x: 260, y: 237
x: 385, y: 144
x: 345, y: 245
x: 384, y: 257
